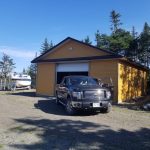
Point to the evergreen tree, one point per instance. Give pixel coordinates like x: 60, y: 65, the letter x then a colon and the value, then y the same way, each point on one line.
x: 144, y: 44
x: 133, y: 49
x: 51, y: 45
x: 6, y: 67
x: 134, y: 33
x: 98, y: 39
x: 115, y: 20
x: 102, y: 40
x: 32, y: 71
x: 119, y: 39
x: 46, y: 46
x: 87, y: 40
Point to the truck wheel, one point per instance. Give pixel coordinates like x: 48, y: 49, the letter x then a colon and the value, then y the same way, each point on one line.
x: 107, y: 109
x: 69, y: 108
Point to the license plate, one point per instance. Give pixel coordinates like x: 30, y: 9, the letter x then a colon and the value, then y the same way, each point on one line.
x: 96, y: 104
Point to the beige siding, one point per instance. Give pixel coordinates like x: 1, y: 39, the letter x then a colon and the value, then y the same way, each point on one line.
x: 45, y: 79
x: 73, y: 49
x: 105, y: 70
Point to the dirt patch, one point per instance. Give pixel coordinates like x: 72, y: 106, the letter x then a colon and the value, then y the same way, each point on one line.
x: 30, y: 122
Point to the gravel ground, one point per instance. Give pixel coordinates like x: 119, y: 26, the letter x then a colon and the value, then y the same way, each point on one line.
x: 29, y: 122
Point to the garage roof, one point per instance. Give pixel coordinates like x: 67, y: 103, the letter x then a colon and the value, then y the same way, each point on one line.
x: 111, y: 55
x: 39, y: 59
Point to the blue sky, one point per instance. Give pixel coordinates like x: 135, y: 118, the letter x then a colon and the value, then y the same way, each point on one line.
x: 24, y: 24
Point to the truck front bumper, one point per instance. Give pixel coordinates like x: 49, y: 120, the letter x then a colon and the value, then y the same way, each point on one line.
x: 90, y: 105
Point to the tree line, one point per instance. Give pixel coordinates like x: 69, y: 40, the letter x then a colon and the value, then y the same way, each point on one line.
x: 131, y: 44
x: 32, y: 69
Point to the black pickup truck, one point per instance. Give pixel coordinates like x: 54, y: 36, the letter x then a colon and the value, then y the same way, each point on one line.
x: 83, y: 93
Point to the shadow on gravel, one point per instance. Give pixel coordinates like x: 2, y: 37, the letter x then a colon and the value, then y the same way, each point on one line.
x: 67, y: 134
x: 135, y: 104
x: 24, y: 93
x: 128, y: 106
x: 50, y: 106
x: 136, y: 107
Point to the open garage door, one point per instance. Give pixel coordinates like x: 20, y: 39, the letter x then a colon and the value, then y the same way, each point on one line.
x: 68, y: 69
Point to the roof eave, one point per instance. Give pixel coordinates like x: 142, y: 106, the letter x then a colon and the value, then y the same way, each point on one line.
x: 134, y: 63
x: 79, y: 59
x: 69, y: 38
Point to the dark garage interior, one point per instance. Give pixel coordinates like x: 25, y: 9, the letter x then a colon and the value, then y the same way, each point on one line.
x: 61, y: 75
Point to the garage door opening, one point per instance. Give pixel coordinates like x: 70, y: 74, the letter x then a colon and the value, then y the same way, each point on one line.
x: 67, y: 69
x: 61, y: 75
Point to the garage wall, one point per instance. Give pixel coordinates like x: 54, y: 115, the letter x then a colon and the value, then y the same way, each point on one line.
x: 132, y: 82
x: 129, y: 81
x: 45, y: 81
x: 104, y: 70
x: 73, y: 49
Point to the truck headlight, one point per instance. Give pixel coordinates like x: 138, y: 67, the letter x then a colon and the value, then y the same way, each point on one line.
x: 108, y: 94
x: 77, y: 95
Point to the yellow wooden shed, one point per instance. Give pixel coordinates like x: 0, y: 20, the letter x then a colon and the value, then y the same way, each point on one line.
x: 73, y: 57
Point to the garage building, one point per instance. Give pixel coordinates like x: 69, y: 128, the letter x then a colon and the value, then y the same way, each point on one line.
x: 73, y: 57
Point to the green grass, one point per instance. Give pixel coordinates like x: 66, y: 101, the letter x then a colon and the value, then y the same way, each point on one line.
x: 5, y: 92
x: 18, y: 128
x: 1, y: 146
x: 22, y: 141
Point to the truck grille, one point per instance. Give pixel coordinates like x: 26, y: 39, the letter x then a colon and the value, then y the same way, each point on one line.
x: 93, y: 94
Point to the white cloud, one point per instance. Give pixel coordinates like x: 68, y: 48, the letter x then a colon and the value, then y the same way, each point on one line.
x: 19, y: 53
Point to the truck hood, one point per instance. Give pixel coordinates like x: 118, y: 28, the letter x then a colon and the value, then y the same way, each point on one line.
x: 86, y: 87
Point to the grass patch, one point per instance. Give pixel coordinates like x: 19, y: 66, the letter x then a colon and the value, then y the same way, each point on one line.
x: 5, y: 92
x: 18, y: 128
x: 1, y: 146
x: 22, y: 141
x: 22, y: 129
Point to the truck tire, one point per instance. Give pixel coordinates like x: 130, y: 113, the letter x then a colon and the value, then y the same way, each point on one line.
x: 107, y: 109
x: 69, y: 109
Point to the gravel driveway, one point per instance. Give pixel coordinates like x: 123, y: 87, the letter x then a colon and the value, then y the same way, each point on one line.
x: 29, y: 122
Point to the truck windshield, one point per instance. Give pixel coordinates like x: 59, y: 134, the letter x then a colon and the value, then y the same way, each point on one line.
x: 83, y: 81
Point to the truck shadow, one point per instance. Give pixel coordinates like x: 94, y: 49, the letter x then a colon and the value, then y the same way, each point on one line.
x: 75, y: 134
x: 49, y: 106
